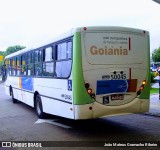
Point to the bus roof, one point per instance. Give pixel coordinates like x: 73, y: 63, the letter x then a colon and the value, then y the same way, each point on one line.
x: 71, y: 33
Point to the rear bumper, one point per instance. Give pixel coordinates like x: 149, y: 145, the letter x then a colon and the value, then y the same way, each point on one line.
x: 97, y: 110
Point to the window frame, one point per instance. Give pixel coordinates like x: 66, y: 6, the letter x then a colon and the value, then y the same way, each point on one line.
x: 41, y: 60
x: 70, y: 39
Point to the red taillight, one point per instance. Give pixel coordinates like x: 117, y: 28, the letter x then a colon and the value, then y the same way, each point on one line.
x: 141, y: 88
x: 89, y: 90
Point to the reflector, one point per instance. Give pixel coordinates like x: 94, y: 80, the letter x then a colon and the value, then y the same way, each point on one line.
x: 89, y: 91
x: 87, y: 85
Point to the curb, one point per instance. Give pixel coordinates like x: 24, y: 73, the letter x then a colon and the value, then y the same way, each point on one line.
x: 152, y: 114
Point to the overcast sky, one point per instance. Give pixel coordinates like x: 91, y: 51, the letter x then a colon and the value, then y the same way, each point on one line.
x: 26, y: 22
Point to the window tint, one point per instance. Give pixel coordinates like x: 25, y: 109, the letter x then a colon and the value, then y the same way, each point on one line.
x: 69, y: 50
x: 18, y: 60
x: 23, y: 64
x: 38, y: 69
x: 37, y: 56
x: 63, y: 62
x: 63, y: 68
x: 13, y: 67
x: 48, y: 69
x: 48, y: 54
x: 64, y: 50
x: 30, y: 70
x: 52, y: 61
x: 23, y: 59
x: 30, y: 66
x: 30, y: 58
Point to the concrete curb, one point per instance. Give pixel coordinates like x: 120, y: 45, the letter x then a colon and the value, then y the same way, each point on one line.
x: 152, y: 114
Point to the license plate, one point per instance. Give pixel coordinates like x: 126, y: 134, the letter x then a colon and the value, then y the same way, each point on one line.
x: 117, y: 97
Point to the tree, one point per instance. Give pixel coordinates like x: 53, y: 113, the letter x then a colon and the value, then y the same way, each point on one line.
x: 10, y: 50
x: 13, y: 49
x: 156, y: 55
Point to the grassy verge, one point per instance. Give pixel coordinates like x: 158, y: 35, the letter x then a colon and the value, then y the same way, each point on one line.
x: 154, y: 91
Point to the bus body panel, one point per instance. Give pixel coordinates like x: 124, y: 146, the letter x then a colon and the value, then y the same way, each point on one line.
x: 55, y: 96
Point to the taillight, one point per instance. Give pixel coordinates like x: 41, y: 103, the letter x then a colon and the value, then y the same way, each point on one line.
x: 141, y: 88
x: 90, y: 90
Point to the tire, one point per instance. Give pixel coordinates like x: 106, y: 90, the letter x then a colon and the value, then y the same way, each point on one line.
x: 13, y: 99
x: 39, y: 108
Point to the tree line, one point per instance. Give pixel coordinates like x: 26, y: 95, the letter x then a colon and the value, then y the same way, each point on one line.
x: 10, y: 50
x: 156, y: 55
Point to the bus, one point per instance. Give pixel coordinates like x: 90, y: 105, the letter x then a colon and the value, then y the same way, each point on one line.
x: 85, y: 73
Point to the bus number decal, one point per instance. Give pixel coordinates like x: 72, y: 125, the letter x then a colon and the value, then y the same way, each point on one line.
x: 65, y: 96
x: 115, y: 76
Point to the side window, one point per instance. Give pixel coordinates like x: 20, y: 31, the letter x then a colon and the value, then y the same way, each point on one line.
x: 10, y: 67
x: 64, y: 59
x: 30, y: 65
x: 69, y: 50
x: 23, y: 63
x: 48, y: 64
x: 37, y: 56
x: 13, y: 66
x: 18, y: 68
x: 64, y: 50
x: 48, y: 54
x: 38, y: 62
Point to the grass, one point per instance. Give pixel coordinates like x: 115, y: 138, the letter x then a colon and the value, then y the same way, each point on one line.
x: 154, y: 90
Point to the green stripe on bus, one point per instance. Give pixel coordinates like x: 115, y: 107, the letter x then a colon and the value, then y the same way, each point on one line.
x: 146, y: 92
x: 80, y: 95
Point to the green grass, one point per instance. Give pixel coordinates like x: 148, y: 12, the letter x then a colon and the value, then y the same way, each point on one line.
x: 154, y: 90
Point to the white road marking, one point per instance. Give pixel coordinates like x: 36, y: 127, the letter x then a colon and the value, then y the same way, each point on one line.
x: 51, y: 121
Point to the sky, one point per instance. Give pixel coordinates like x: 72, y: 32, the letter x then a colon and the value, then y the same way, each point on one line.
x: 27, y: 22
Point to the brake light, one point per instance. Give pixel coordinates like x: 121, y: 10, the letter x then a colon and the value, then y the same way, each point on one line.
x: 142, y: 87
x: 90, y: 90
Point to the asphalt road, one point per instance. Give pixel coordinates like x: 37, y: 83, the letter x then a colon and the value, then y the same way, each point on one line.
x: 18, y: 122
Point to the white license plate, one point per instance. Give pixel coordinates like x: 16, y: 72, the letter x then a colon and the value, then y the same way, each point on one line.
x: 117, y: 97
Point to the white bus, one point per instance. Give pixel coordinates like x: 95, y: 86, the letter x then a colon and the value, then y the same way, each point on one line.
x: 89, y: 72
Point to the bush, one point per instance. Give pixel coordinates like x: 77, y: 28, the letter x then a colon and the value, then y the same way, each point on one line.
x: 152, y: 77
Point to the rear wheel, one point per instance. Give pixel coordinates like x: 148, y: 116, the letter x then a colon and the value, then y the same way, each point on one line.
x: 12, y: 95
x: 39, y: 107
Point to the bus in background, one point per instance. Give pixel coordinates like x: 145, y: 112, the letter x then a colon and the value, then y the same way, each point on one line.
x: 88, y: 72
